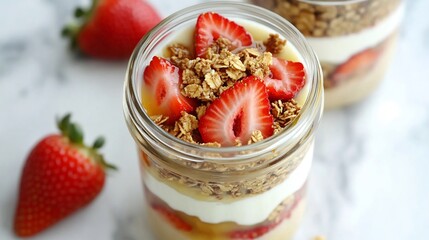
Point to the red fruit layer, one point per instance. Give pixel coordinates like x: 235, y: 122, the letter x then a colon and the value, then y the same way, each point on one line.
x: 172, y: 218
x: 358, y: 63
x: 260, y: 230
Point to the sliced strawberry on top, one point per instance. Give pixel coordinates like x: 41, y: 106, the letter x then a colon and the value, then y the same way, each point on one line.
x: 238, y: 112
x: 286, y: 80
x: 161, y: 93
x: 357, y: 63
x: 210, y: 26
x: 172, y: 218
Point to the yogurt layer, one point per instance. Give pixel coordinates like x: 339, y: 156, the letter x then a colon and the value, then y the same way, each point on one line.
x: 340, y: 49
x: 247, y: 211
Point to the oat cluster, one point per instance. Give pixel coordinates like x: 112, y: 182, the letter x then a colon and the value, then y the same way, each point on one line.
x: 206, y: 78
x: 284, y: 112
x: 274, y: 44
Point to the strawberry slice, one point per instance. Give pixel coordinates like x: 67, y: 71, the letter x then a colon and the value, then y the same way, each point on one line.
x: 210, y: 26
x: 172, y: 218
x: 286, y: 80
x: 161, y: 93
x: 357, y: 63
x: 238, y: 112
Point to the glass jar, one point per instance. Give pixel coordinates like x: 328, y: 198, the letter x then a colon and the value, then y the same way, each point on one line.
x: 354, y: 40
x: 200, y: 192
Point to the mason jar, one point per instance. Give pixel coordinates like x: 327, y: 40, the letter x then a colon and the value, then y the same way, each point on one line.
x: 254, y: 191
x: 354, y: 40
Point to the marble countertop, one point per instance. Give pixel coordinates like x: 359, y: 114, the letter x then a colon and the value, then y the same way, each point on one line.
x: 369, y: 178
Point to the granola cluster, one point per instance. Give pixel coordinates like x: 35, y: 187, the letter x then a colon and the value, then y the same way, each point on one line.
x: 283, y: 113
x: 274, y: 44
x: 206, y: 78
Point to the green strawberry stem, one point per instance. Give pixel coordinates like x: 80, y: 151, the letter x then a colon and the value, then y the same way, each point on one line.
x: 83, y: 15
x: 73, y: 132
x: 79, y: 12
x: 71, y: 31
x: 99, y: 142
x: 107, y: 164
x: 64, y: 122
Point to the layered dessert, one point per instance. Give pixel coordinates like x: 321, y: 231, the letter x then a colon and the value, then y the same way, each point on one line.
x: 354, y: 41
x: 225, y: 83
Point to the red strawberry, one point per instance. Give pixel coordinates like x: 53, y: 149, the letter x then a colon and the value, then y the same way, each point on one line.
x: 238, y: 112
x: 174, y: 220
x: 162, y: 90
x: 357, y: 63
x: 286, y: 80
x: 211, y: 26
x: 60, y: 176
x: 252, y: 233
x: 112, y: 28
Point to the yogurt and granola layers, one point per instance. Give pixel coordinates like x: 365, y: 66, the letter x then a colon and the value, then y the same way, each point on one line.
x: 223, y: 84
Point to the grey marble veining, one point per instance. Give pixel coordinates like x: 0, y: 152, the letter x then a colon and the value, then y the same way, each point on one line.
x: 369, y: 178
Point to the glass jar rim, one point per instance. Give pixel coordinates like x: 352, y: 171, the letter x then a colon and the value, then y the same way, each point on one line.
x: 309, y: 116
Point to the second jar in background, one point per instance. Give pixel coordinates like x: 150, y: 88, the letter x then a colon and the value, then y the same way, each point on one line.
x: 354, y: 40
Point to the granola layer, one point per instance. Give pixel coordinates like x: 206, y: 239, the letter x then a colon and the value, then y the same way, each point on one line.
x: 194, y: 198
x: 329, y: 20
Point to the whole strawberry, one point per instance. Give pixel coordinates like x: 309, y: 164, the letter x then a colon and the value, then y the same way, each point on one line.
x: 60, y: 176
x: 111, y: 29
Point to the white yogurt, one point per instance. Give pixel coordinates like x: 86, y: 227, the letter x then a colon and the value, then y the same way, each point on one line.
x: 247, y: 211
x: 340, y: 49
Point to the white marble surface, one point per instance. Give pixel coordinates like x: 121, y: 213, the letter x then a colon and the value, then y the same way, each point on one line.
x: 369, y: 179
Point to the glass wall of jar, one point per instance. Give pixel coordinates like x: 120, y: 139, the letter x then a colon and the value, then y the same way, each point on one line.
x: 354, y: 40
x: 200, y: 192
